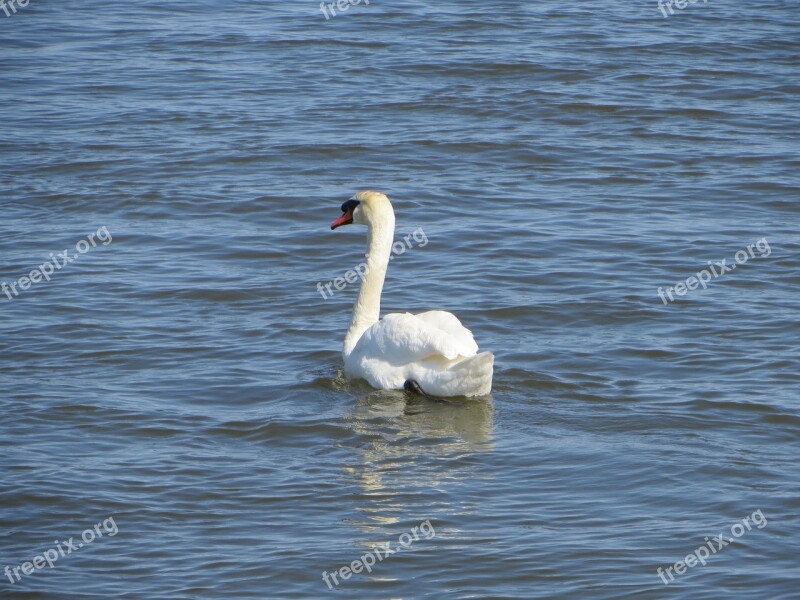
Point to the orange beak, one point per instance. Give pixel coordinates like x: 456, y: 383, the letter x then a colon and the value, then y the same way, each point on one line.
x: 345, y: 219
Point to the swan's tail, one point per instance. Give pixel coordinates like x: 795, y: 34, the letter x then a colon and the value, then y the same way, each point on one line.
x: 470, y: 377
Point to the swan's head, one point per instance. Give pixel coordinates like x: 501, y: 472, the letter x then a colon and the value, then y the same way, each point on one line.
x: 364, y: 208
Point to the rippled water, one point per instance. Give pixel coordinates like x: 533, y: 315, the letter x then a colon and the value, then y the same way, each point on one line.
x: 564, y: 160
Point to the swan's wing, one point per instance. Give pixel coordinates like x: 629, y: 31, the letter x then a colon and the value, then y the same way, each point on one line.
x: 450, y: 324
x: 400, y: 339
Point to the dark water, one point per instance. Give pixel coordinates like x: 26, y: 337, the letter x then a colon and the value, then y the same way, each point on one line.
x: 565, y: 160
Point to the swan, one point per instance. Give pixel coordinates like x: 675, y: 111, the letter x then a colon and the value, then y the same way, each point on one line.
x: 430, y: 353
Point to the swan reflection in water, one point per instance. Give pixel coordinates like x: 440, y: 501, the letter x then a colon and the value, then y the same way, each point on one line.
x: 419, y: 455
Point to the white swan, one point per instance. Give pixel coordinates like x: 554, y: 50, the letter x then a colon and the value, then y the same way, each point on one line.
x: 430, y: 353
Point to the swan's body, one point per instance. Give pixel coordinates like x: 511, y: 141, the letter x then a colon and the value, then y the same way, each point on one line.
x: 432, y: 349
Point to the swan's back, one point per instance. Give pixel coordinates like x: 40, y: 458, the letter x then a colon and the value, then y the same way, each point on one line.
x: 432, y: 348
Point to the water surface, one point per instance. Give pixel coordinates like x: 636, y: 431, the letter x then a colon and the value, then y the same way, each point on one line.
x: 565, y: 162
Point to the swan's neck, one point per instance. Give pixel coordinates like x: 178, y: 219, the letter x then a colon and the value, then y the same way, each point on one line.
x: 367, y: 309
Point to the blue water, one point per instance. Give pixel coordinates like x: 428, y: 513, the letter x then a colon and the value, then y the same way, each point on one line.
x: 565, y: 161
